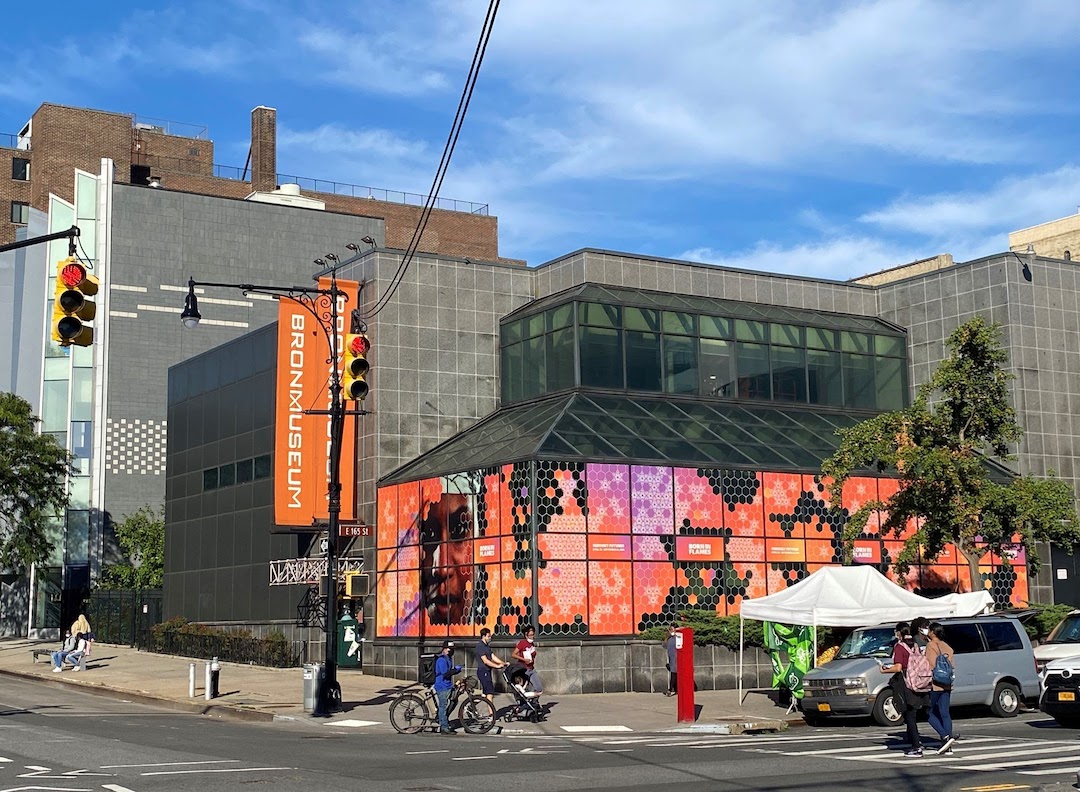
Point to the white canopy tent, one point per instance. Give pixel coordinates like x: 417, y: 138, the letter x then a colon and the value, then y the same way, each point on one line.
x: 854, y: 596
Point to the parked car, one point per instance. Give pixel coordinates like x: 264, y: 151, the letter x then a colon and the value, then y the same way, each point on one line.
x: 1061, y: 691
x: 1063, y: 641
x: 995, y: 666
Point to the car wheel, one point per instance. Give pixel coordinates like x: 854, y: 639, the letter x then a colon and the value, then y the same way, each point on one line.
x: 1006, y: 703
x: 885, y: 710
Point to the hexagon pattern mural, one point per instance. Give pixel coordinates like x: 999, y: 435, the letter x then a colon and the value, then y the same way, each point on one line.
x: 601, y: 549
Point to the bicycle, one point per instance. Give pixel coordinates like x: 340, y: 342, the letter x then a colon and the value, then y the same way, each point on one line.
x: 411, y: 713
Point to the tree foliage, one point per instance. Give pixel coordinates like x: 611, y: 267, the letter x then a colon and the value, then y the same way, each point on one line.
x: 33, y: 471
x: 939, y: 448
x: 141, y: 536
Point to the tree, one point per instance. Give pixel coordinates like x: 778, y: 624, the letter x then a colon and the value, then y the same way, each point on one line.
x: 33, y: 491
x: 939, y: 448
x: 141, y: 536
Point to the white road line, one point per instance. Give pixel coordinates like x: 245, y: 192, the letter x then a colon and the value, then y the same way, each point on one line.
x: 216, y: 770
x: 1050, y: 771
x: 470, y: 758
x: 957, y: 763
x: 171, y: 764
x: 116, y: 788
x: 4, y: 759
x: 417, y: 753
x: 615, y: 750
x: 584, y: 729
x: 876, y: 747
x: 356, y: 724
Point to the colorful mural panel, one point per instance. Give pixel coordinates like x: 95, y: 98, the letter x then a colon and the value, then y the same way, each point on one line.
x: 619, y: 548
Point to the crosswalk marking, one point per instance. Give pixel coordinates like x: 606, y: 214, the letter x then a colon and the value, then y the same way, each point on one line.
x: 1026, y: 756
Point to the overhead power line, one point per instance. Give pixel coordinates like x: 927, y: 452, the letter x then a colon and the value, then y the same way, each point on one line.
x: 444, y: 161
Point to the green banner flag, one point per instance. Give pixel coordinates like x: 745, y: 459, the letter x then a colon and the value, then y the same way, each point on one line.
x: 791, y: 651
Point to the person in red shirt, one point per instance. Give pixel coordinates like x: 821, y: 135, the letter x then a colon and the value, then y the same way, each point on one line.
x: 525, y: 654
x: 909, y: 700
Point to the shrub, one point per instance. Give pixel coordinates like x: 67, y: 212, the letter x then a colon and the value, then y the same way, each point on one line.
x: 712, y: 630
x: 179, y: 636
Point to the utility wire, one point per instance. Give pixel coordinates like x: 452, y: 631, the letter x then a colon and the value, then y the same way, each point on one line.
x: 444, y: 160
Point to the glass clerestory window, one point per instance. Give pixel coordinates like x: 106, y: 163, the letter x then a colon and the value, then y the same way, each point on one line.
x: 627, y: 348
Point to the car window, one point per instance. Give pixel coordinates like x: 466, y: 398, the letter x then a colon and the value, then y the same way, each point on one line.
x: 868, y: 642
x: 1001, y: 636
x: 963, y: 638
x: 1068, y: 631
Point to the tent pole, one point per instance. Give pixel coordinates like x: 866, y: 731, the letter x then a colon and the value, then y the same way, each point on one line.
x: 740, y: 656
x: 814, y: 639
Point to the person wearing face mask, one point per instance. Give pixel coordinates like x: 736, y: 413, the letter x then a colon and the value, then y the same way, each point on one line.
x: 525, y: 654
x: 444, y: 681
x: 920, y: 629
x: 910, y: 700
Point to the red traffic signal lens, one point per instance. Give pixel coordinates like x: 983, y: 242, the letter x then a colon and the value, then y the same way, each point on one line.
x: 73, y: 274
x: 359, y: 345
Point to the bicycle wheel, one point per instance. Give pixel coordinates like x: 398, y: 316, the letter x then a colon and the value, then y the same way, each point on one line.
x: 409, y: 714
x: 477, y: 715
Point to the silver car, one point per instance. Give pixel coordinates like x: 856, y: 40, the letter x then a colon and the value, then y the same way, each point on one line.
x: 995, y: 666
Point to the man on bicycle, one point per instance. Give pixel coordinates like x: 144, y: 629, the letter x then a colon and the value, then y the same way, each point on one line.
x: 444, y: 681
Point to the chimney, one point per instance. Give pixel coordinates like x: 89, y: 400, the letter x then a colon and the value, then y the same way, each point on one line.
x: 263, y: 149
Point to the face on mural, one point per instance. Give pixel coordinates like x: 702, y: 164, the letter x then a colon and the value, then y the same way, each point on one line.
x: 446, y: 559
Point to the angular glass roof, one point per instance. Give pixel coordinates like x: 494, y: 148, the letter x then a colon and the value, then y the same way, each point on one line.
x: 592, y: 426
x: 667, y: 301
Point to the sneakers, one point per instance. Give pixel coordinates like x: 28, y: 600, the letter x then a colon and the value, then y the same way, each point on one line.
x: 913, y: 753
x: 946, y: 747
x: 57, y: 669
x: 76, y: 668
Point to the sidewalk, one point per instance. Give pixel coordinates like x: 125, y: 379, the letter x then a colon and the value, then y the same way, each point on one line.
x: 266, y: 694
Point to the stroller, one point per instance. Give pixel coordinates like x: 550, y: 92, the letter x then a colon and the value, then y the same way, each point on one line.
x: 526, y: 701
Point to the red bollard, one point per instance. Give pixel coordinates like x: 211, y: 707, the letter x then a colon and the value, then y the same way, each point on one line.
x: 684, y: 660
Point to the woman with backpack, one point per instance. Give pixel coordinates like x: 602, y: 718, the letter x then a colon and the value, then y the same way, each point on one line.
x: 940, y: 656
x: 910, y: 674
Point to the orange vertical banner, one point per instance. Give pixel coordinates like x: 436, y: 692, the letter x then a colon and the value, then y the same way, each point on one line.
x: 302, y: 442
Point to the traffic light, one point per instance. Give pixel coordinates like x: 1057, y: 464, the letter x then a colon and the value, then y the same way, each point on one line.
x: 354, y: 384
x: 71, y: 307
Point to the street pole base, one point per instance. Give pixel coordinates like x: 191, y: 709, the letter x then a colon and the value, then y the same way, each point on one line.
x: 328, y: 700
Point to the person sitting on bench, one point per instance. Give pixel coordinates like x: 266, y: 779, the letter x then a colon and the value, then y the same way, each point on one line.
x: 72, y: 652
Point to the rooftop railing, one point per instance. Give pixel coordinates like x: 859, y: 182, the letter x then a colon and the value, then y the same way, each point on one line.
x: 9, y: 141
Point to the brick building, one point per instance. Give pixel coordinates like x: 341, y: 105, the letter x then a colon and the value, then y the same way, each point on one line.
x: 43, y: 156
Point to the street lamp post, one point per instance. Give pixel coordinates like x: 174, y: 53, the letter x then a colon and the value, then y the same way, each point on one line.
x: 323, y: 304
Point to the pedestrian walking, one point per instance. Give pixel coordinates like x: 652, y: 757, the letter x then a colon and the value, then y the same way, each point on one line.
x: 672, y: 663
x: 444, y: 682
x: 485, y: 662
x: 907, y: 681
x: 943, y: 664
x: 525, y: 654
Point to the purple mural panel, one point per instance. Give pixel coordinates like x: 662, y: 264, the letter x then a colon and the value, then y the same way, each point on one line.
x: 651, y: 500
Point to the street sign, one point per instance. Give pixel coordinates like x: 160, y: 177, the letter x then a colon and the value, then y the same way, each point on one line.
x: 354, y: 530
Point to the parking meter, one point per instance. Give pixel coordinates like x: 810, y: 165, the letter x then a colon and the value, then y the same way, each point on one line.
x: 684, y: 661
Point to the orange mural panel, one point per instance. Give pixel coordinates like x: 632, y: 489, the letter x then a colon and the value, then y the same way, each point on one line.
x: 649, y: 548
x: 490, y: 518
x: 745, y: 548
x: 783, y: 576
x: 486, y: 551
x: 858, y: 490
x: 609, y: 548
x: 699, y: 548
x: 301, y: 442
x: 785, y: 550
x: 943, y: 577
x: 652, y: 584
x: 408, y: 514
x: 408, y: 583
x: 745, y: 508
x: 819, y: 520
x: 819, y: 551
x: 386, y: 525
x: 560, y: 546
x: 611, y: 609
x: 386, y: 618
x: 698, y: 503
x: 563, y: 593
x: 781, y: 493
x: 866, y: 551
x: 565, y: 514
x: 609, y: 498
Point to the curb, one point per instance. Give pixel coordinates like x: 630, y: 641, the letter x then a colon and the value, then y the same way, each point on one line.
x: 222, y: 711
x: 734, y: 727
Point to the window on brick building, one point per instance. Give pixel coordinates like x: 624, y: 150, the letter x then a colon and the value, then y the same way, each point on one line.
x: 20, y: 212
x: 20, y: 169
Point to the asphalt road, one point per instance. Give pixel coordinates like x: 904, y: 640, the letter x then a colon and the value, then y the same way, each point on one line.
x: 54, y: 739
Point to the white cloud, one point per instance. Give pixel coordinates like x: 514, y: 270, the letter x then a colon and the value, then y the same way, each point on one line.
x: 337, y: 140
x: 836, y: 259
x: 1011, y: 204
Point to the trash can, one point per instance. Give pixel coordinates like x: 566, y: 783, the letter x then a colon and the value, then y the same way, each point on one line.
x: 425, y: 671
x: 348, y: 642
x: 314, y: 673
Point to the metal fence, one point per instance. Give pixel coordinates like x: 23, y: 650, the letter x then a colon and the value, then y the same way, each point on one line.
x: 124, y: 616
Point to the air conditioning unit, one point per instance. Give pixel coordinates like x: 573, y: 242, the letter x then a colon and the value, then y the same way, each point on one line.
x: 150, y: 127
x: 356, y: 585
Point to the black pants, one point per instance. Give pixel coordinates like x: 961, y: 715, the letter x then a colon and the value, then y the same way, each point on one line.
x: 673, y: 682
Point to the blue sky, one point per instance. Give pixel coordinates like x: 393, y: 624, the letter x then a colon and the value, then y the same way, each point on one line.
x: 826, y: 138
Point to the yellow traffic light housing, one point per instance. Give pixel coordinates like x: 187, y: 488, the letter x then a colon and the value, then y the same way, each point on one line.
x: 71, y: 307
x: 354, y: 385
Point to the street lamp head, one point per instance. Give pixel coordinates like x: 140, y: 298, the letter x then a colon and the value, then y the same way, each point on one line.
x: 190, y: 316
x: 368, y: 240
x: 320, y: 262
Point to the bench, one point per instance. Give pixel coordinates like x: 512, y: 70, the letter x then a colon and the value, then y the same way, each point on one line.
x: 47, y: 653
